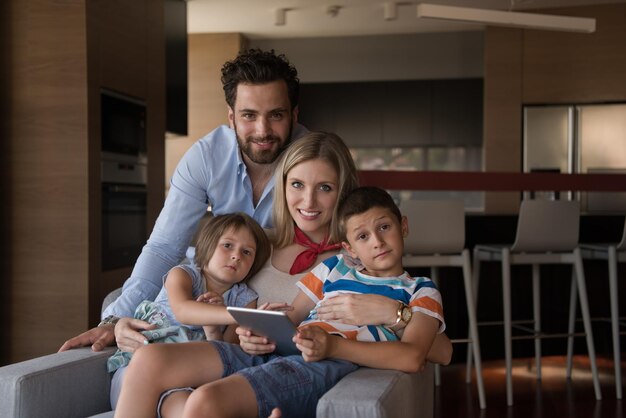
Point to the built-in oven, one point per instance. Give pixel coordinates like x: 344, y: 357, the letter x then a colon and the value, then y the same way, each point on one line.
x: 124, y: 169
x: 124, y: 229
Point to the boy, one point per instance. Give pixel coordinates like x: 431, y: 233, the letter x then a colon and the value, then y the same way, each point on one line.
x: 246, y: 385
x: 373, y: 231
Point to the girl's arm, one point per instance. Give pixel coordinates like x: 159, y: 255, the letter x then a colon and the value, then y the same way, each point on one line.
x: 408, y: 355
x: 188, y: 311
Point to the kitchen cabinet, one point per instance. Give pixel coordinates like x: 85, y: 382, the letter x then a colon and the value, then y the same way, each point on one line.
x: 411, y: 113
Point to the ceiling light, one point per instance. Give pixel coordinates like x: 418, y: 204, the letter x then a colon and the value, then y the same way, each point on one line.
x: 391, y: 10
x: 507, y: 19
x: 280, y: 16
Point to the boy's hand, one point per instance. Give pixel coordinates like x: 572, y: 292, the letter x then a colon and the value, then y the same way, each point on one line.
x: 315, y: 343
x: 213, y: 298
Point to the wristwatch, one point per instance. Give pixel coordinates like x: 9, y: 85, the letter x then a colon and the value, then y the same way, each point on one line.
x: 403, y: 314
x: 109, y: 320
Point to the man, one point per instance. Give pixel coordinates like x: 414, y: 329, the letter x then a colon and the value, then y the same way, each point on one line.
x: 229, y: 169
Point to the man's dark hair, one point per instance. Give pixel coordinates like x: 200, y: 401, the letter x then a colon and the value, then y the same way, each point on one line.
x: 256, y: 66
x: 362, y: 199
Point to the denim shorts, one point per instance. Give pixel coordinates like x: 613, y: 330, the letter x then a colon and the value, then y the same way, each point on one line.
x: 289, y: 383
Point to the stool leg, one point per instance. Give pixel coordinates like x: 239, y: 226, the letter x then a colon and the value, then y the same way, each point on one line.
x: 615, y: 320
x: 434, y: 275
x: 475, y: 279
x: 471, y: 314
x: 573, y: 296
x: 584, y: 307
x: 506, y: 304
x: 537, y: 318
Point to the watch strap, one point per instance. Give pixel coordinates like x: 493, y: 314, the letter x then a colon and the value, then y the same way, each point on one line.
x: 109, y: 320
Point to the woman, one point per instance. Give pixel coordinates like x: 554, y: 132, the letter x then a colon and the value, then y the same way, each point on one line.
x: 311, y: 209
x: 314, y: 173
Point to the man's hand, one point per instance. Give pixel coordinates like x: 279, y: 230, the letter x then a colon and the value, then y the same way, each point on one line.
x: 315, y: 343
x: 128, y: 336
x: 253, y: 344
x: 98, y: 338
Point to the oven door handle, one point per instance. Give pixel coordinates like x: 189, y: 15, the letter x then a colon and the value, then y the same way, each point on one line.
x: 125, y: 188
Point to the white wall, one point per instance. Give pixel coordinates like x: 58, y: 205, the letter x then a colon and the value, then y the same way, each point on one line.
x: 379, y: 58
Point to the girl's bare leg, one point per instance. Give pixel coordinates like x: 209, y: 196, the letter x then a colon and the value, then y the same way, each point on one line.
x: 156, y: 368
x: 231, y: 396
x: 174, y: 403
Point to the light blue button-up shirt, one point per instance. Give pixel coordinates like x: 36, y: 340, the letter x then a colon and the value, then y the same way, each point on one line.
x: 212, y: 172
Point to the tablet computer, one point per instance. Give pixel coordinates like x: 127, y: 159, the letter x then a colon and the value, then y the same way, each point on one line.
x: 274, y: 325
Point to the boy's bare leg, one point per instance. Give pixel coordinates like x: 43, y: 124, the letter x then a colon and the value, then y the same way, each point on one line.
x: 156, y: 368
x: 174, y: 404
x: 229, y: 397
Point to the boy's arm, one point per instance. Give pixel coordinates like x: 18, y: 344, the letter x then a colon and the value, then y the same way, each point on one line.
x: 187, y: 310
x: 302, y: 305
x: 408, y: 355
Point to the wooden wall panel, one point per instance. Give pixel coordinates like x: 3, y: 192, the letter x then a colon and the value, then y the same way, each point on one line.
x: 47, y: 172
x: 572, y: 68
x: 501, y: 119
x: 532, y: 67
x: 51, y: 156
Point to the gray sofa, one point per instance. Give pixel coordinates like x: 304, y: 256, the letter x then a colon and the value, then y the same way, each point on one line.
x: 76, y: 384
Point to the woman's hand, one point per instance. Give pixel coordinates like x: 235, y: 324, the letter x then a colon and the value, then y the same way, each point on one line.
x: 357, y: 309
x: 127, y: 333
x: 253, y: 344
x: 315, y: 343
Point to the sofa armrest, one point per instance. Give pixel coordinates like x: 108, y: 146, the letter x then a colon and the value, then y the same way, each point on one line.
x: 371, y: 393
x: 74, y: 383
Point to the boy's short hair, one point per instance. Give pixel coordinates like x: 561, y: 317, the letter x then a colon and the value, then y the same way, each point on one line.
x: 362, y: 199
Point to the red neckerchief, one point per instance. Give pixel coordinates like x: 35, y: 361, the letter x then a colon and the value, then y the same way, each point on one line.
x: 306, y: 258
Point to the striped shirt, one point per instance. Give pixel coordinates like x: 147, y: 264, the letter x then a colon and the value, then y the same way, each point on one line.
x: 335, y: 276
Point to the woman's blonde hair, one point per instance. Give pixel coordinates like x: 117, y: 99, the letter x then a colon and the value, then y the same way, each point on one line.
x: 312, y: 146
x: 213, y: 229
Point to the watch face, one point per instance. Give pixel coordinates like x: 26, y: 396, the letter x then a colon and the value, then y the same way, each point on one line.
x: 406, y: 314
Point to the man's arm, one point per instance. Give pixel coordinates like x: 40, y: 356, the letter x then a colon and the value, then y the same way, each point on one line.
x: 185, y: 205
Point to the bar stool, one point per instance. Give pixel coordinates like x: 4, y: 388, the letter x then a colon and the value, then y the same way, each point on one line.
x: 437, y: 239
x: 547, y: 233
x: 613, y: 253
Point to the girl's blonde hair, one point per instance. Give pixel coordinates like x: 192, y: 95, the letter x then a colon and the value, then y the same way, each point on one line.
x: 213, y: 229
x: 312, y: 146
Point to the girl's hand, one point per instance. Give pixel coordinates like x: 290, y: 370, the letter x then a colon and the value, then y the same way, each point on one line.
x: 276, y: 306
x: 357, y: 309
x: 315, y: 343
x: 253, y: 344
x: 213, y: 298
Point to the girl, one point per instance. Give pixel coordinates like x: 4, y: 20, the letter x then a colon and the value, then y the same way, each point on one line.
x: 229, y: 250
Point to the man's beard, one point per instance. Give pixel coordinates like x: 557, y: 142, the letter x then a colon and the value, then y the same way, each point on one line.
x: 262, y: 156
